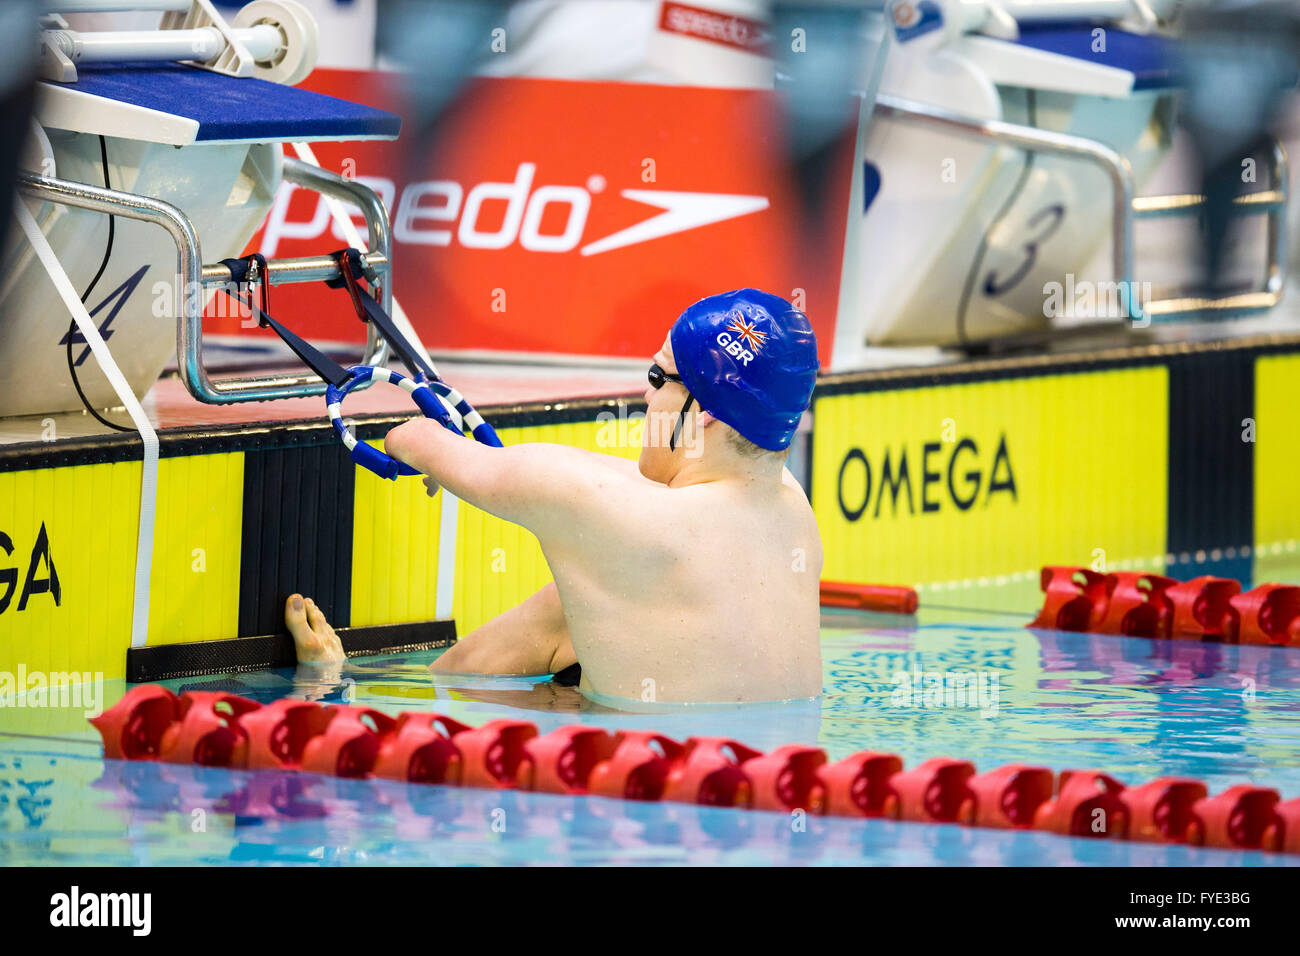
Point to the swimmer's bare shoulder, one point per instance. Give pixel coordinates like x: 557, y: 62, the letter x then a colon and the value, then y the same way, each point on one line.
x: 552, y: 490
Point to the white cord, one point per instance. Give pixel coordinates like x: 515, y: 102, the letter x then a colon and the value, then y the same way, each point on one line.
x: 445, y: 592
x: 149, y: 471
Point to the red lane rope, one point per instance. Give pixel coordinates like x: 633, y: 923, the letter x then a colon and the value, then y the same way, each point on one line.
x: 223, y: 730
x: 1151, y: 605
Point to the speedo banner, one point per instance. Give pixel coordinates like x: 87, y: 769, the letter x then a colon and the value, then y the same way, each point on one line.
x: 567, y: 217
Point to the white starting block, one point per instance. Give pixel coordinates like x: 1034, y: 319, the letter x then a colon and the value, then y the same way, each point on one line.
x: 1004, y: 146
x: 194, y: 162
x: 946, y: 20
x: 1007, y: 150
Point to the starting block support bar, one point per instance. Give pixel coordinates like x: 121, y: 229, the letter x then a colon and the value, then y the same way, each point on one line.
x: 203, y: 43
x: 194, y: 279
x: 113, y: 6
x: 285, y: 271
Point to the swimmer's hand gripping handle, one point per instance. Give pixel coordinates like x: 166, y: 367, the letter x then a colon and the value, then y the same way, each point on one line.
x: 423, y: 394
x: 371, y: 458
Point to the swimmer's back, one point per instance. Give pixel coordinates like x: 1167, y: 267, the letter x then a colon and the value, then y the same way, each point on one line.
x: 721, y: 604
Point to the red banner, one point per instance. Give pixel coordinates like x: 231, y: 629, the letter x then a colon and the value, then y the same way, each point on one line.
x: 567, y: 217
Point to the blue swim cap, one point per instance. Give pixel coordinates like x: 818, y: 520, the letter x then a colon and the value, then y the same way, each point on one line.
x: 750, y: 359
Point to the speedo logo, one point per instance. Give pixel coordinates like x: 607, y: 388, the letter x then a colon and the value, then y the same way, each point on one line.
x: 547, y: 218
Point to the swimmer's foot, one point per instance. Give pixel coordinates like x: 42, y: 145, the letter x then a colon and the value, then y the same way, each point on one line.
x: 313, y: 638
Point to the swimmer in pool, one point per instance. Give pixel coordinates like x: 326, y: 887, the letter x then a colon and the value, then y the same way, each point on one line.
x: 689, y: 575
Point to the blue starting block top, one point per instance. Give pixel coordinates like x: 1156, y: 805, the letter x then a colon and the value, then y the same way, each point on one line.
x: 203, y: 106
x: 1152, y: 59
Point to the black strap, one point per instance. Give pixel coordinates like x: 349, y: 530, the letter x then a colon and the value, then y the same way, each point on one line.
x: 352, y: 268
x: 681, y: 420
x: 314, y: 359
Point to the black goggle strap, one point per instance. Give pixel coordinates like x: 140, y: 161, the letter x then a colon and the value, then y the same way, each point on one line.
x: 681, y: 420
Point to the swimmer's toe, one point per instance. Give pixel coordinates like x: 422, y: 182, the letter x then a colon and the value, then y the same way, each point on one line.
x: 295, y: 615
x: 313, y: 638
x: 321, y: 628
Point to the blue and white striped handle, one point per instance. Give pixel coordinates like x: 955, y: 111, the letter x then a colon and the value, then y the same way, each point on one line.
x: 423, y: 394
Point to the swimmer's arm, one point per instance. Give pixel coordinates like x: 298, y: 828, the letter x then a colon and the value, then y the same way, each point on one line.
x: 624, y: 466
x: 532, y: 638
x: 544, y: 487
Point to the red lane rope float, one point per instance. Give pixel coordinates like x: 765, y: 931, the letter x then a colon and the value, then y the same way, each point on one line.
x: 1205, y: 608
x: 1087, y: 803
x: 1160, y: 811
x: 1139, y: 605
x: 207, y: 730
x: 869, y: 597
x: 223, y: 730
x: 1074, y: 599
x: 1009, y: 796
x: 636, y: 769
x: 419, y: 750
x: 859, y: 786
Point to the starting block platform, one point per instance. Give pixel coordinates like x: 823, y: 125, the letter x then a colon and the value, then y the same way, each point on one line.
x: 180, y: 105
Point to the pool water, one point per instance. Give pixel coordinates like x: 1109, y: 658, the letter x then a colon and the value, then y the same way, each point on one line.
x: 978, y: 685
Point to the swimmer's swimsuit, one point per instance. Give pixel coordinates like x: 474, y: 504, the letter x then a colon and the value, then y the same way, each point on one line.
x: 569, y: 677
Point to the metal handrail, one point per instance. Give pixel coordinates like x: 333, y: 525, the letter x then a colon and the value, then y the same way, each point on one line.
x: 194, y: 278
x: 1112, y: 163
x: 1179, y: 204
x: 1270, y: 202
x: 1126, y: 208
x: 285, y: 271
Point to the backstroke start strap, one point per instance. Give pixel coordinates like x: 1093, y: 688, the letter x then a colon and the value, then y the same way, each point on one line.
x: 351, y: 268
x: 329, y: 370
x: 424, y: 386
